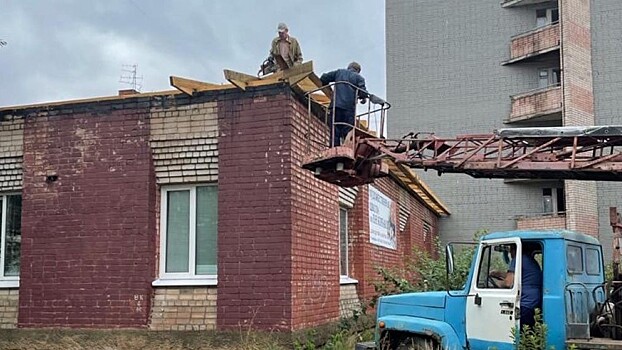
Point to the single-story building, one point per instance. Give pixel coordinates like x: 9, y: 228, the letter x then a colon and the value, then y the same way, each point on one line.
x: 189, y: 210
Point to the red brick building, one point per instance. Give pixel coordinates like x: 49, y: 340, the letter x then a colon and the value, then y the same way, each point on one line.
x: 174, y: 211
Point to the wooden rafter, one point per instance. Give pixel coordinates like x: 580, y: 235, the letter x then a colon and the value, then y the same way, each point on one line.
x: 238, y: 79
x: 190, y: 86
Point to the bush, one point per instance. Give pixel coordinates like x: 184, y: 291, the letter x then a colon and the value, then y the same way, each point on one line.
x: 426, y: 272
x: 531, y: 338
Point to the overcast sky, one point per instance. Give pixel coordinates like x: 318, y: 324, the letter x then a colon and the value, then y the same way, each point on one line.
x: 68, y: 49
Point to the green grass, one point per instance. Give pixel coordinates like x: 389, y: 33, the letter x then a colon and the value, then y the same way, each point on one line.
x: 65, y: 339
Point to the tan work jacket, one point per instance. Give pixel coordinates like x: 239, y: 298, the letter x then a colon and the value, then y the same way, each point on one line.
x: 295, y: 54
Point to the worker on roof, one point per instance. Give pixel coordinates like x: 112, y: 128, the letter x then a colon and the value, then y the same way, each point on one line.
x: 286, y: 46
x: 344, y: 99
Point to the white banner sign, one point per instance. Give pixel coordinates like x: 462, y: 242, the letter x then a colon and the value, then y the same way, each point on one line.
x: 382, y: 214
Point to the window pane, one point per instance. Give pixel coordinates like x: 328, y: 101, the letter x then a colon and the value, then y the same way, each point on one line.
x: 207, y: 230
x: 13, y: 235
x: 482, y: 274
x: 554, y: 15
x: 574, y: 255
x: 343, y: 241
x: 495, y: 263
x: 177, y: 231
x: 592, y: 261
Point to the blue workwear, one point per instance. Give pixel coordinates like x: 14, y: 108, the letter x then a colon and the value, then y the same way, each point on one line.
x: 531, y: 288
x: 344, y: 100
x: 345, y: 95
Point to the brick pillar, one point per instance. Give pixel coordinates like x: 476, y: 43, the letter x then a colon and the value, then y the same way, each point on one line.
x: 278, y: 255
x: 88, y: 219
x: 578, y: 105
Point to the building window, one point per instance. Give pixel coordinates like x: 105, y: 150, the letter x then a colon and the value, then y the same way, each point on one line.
x: 189, y: 232
x: 11, y: 235
x: 549, y: 77
x: 553, y: 200
x: 545, y: 17
x: 343, y: 242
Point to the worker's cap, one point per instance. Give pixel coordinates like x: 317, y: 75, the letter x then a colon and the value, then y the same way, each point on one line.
x: 282, y: 27
x: 355, y: 67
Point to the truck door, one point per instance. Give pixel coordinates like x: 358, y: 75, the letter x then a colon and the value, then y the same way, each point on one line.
x: 492, y: 305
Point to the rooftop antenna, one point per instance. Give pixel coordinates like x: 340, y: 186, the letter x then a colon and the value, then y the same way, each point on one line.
x: 129, y: 77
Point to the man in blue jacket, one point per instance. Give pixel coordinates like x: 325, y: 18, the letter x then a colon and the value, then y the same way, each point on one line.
x: 344, y: 98
x: 531, y: 283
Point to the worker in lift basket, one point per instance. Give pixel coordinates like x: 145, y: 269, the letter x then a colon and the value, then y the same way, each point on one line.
x: 344, y: 100
x: 287, y: 46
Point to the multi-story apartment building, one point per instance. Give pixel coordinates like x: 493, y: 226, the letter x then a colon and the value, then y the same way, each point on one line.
x: 475, y: 66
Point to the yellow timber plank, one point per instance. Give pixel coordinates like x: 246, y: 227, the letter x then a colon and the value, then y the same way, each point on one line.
x: 190, y: 86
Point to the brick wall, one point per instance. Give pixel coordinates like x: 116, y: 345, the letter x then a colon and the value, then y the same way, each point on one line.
x: 607, y: 75
x: 541, y: 222
x: 11, y: 153
x: 447, y: 78
x: 254, y: 218
x: 184, y: 140
x: 349, y: 301
x: 184, y: 308
x: 315, y: 231
x: 11, y: 140
x: 88, y: 236
x: 365, y: 256
x: 581, y: 197
x: 534, y: 41
x: 528, y: 105
x: 9, y: 300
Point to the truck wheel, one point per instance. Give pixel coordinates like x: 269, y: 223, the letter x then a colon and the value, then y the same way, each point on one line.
x: 418, y: 343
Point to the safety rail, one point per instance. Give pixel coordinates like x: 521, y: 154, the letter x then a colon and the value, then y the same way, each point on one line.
x: 371, y: 99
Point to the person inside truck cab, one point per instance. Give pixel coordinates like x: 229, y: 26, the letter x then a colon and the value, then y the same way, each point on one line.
x: 531, y: 282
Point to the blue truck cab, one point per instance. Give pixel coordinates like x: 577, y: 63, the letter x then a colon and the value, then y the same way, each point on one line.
x: 482, y: 315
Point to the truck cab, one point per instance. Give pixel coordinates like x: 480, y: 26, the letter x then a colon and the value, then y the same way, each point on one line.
x: 483, y: 313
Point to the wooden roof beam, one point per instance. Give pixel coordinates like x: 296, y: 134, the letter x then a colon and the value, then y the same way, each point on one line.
x: 238, y: 79
x: 189, y: 86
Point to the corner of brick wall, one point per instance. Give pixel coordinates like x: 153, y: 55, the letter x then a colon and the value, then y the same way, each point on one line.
x: 254, y: 215
x: 315, y: 230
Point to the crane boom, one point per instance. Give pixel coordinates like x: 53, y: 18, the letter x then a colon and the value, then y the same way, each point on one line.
x: 578, y: 153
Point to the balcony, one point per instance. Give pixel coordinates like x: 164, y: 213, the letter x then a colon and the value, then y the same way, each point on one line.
x: 541, y: 105
x: 540, y: 222
x: 535, y: 44
x: 517, y: 3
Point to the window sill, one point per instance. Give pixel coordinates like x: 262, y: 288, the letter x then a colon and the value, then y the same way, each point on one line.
x: 347, y: 280
x: 169, y: 282
x: 9, y: 283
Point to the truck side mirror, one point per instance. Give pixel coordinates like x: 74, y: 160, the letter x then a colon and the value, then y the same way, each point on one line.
x: 449, y: 259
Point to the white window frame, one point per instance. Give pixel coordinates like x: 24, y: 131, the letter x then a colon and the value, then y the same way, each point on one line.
x: 181, y: 278
x: 345, y: 279
x: 5, y: 281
